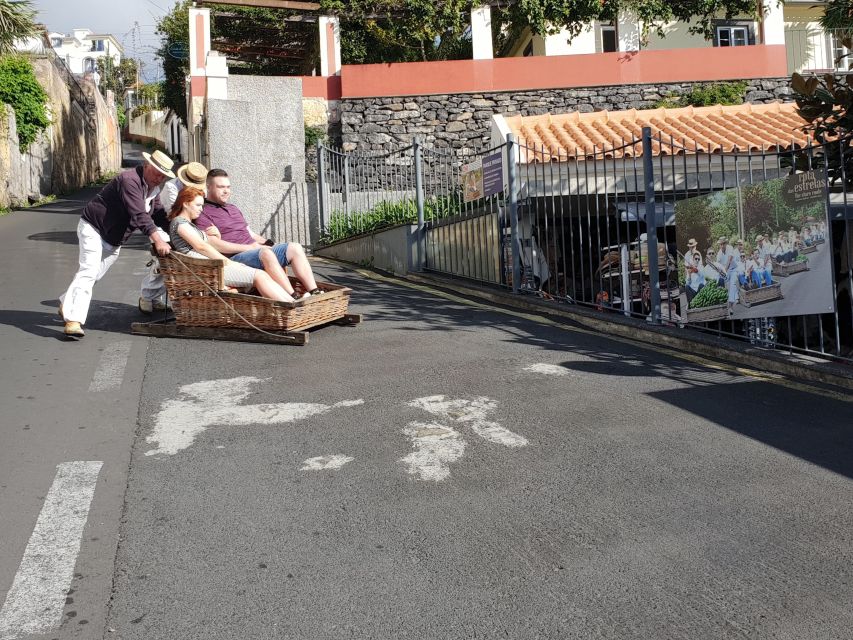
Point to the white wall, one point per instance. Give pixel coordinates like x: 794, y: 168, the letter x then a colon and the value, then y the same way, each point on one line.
x: 149, y: 126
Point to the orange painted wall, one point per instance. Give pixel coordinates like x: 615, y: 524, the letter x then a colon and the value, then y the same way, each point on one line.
x: 328, y: 87
x: 552, y: 72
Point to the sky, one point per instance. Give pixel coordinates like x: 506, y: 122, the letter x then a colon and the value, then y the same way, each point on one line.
x: 132, y: 22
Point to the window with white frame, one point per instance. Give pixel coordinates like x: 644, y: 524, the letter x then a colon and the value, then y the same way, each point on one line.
x: 732, y: 36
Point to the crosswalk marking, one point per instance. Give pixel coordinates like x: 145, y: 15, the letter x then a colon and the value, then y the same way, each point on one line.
x: 35, y: 601
x: 110, y: 372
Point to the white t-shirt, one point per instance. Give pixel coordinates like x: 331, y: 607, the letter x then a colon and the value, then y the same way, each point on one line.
x: 723, y: 258
x: 169, y: 193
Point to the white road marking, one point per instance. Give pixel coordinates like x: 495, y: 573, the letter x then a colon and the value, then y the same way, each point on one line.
x: 35, y: 601
x: 471, y: 412
x: 216, y: 402
x: 326, y: 462
x: 548, y: 369
x: 110, y: 372
x: 435, y: 446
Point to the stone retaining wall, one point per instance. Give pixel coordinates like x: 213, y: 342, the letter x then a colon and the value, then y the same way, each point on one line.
x: 463, y: 121
x: 80, y: 145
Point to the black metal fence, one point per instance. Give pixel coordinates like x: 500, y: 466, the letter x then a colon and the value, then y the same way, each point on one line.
x: 597, y: 227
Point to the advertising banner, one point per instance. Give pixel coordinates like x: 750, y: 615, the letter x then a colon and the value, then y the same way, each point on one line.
x: 756, y: 251
x: 493, y: 174
x: 472, y: 181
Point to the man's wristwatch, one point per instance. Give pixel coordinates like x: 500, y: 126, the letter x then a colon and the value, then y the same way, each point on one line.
x: 269, y: 243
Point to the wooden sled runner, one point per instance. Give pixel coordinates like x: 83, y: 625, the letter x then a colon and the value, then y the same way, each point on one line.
x: 203, y: 310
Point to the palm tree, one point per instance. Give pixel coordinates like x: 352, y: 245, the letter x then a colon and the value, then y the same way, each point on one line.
x: 17, y: 21
x: 838, y: 14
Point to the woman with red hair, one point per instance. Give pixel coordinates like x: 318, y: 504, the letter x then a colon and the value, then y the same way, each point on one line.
x: 192, y: 241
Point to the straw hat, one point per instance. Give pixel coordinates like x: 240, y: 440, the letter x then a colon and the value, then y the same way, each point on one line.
x: 759, y: 238
x: 193, y: 174
x: 160, y: 161
x: 692, y: 243
x: 723, y: 239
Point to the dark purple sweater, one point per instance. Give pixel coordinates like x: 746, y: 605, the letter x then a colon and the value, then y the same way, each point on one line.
x: 119, y: 208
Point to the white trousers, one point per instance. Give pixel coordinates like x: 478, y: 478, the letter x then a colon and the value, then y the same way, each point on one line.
x: 96, y: 257
x: 153, y: 288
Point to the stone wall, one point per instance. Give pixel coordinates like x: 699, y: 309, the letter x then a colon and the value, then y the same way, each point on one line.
x: 80, y: 145
x: 462, y: 121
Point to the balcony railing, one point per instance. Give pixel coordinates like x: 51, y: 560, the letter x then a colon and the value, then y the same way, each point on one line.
x: 817, y: 50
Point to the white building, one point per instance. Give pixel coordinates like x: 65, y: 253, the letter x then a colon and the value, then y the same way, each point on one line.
x: 82, y: 49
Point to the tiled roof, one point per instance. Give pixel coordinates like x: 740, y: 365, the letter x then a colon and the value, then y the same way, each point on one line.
x: 616, y: 134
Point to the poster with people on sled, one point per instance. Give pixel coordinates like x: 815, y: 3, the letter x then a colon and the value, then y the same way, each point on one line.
x: 756, y: 251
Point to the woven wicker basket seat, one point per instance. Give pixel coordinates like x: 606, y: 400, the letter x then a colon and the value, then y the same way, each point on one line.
x: 785, y: 269
x: 195, y: 287
x: 749, y: 297
x: 708, y: 314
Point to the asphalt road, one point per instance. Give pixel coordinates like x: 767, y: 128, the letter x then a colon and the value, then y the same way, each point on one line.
x: 444, y: 470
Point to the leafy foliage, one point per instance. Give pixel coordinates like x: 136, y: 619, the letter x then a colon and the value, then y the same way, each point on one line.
x: 174, y: 31
x: 20, y: 89
x: 117, y: 77
x: 826, y: 103
x: 313, y: 135
x: 388, y: 214
x: 838, y: 14
x: 705, y: 95
x: 406, y: 30
x: 17, y: 22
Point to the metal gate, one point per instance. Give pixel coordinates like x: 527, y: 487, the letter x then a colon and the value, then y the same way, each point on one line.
x: 594, y: 228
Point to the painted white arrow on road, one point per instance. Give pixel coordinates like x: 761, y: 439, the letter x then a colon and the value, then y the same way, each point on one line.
x: 437, y: 445
x: 217, y: 402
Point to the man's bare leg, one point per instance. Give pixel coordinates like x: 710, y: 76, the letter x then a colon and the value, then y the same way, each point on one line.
x: 278, y: 273
x: 301, y: 267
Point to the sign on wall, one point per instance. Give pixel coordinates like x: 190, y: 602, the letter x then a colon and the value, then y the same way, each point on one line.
x: 757, y: 250
x: 482, y: 177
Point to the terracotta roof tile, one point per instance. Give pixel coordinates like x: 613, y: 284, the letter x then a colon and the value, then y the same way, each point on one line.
x: 616, y: 134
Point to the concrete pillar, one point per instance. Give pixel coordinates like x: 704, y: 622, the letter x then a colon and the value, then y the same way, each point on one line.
x: 199, y: 20
x: 628, y: 31
x: 330, y: 46
x: 773, y: 23
x: 481, y: 32
x: 217, y: 76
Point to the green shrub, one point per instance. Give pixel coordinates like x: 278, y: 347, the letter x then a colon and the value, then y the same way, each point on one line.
x: 20, y: 89
x: 313, y: 135
x: 706, y: 95
x: 388, y: 214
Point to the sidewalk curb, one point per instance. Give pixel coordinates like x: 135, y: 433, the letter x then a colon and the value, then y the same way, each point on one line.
x: 742, y: 354
x: 796, y: 367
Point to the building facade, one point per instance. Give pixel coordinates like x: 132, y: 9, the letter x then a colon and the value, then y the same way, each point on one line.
x: 82, y: 49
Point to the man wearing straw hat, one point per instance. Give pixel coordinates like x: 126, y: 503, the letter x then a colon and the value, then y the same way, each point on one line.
x: 123, y: 205
x: 152, y: 294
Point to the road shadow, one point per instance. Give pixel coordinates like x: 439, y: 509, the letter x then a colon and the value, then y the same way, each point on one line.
x: 62, y: 237
x: 112, y: 317
x: 783, y: 418
x: 779, y: 416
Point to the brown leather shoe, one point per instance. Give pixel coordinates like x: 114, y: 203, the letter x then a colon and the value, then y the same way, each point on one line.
x: 74, y: 330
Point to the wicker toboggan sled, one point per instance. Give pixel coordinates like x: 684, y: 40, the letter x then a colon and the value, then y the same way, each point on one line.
x: 202, y: 309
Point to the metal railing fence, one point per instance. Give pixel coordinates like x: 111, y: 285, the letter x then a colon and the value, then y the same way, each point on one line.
x: 595, y: 227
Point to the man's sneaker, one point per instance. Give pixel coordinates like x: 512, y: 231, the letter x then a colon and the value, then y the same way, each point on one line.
x: 74, y: 330
x: 150, y: 306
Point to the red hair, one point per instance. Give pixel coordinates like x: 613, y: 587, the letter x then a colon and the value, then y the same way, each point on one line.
x: 187, y: 194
